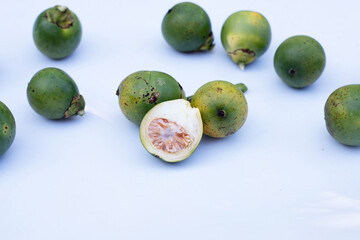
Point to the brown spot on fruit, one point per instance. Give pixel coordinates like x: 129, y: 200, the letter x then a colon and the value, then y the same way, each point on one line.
x: 154, y: 97
x: 241, y: 51
x: 248, y: 51
x: 146, y: 82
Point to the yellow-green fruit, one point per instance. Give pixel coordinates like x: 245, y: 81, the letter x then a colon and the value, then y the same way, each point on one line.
x: 223, y: 108
x: 7, y: 128
x: 245, y: 36
x: 342, y: 114
x: 142, y: 90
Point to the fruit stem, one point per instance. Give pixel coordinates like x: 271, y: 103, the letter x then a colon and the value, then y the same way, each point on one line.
x: 61, y: 8
x: 81, y: 112
x: 242, y: 66
x: 242, y: 87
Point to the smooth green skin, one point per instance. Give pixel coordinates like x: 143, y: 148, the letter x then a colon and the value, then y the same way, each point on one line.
x: 7, y: 128
x: 142, y: 90
x: 222, y: 106
x: 187, y: 28
x: 299, y: 61
x: 54, y: 41
x: 342, y: 114
x: 51, y: 93
x: 245, y: 36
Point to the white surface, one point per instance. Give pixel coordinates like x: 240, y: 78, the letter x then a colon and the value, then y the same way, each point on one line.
x: 282, y: 176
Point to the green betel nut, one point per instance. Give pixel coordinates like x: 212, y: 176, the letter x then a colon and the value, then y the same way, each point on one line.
x: 245, y: 36
x: 342, y: 114
x: 53, y: 94
x: 187, y: 28
x: 57, y: 32
x: 299, y: 61
x: 7, y: 128
x: 222, y: 106
x: 142, y: 90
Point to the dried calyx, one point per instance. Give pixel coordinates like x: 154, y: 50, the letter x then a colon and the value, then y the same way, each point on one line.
x: 242, y: 57
x: 209, y: 44
x: 61, y: 16
x: 76, y: 107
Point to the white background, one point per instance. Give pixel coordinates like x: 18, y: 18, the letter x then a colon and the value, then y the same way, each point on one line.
x: 282, y: 176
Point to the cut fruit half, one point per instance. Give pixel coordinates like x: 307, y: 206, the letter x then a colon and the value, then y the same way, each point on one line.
x: 171, y: 130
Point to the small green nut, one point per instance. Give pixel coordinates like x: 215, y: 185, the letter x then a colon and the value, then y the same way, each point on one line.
x: 222, y: 106
x: 187, y: 28
x: 342, y: 114
x: 245, y: 36
x: 53, y: 94
x: 142, y: 90
x: 299, y: 61
x: 7, y: 128
x: 57, y: 32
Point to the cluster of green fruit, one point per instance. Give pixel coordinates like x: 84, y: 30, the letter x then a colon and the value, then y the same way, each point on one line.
x: 171, y: 129
x: 171, y: 124
x: 245, y: 36
x: 51, y: 92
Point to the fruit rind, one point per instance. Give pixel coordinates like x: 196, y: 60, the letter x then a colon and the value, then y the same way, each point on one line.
x: 142, y: 90
x: 7, y: 128
x: 187, y: 28
x: 299, y: 61
x: 53, y: 94
x: 245, y: 36
x: 184, y: 115
x: 223, y: 108
x: 342, y: 114
x: 57, y: 32
x: 241, y: 86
